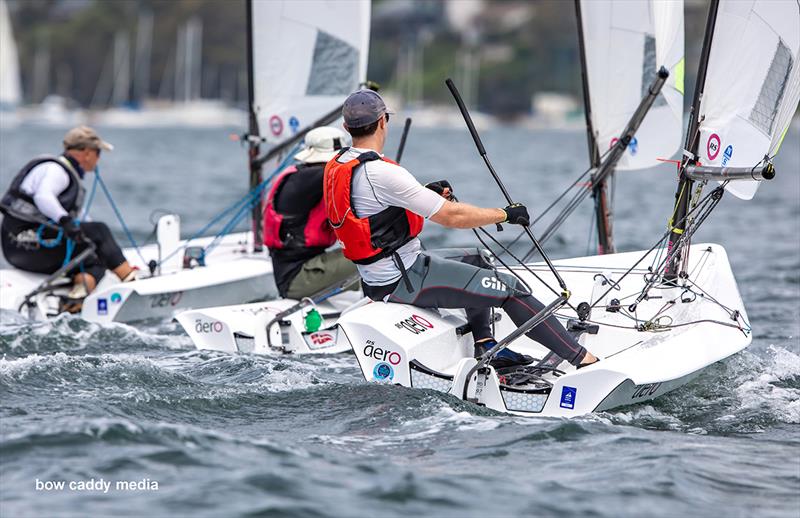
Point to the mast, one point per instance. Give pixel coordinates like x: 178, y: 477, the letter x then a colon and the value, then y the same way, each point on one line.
x: 594, y: 154
x: 605, y: 242
x: 253, y: 134
x: 677, y: 222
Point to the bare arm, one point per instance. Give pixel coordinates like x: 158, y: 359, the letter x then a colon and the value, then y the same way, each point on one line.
x: 463, y: 215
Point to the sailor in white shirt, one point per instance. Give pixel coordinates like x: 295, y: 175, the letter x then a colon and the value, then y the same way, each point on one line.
x: 40, y: 209
x: 376, y: 208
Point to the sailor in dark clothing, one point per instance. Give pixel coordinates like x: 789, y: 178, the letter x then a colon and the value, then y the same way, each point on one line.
x: 43, y: 202
x: 296, y: 228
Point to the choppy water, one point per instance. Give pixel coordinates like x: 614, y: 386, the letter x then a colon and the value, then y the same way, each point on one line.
x: 225, y: 435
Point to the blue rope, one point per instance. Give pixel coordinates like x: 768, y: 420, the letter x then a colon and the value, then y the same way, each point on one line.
x: 237, y: 217
x: 51, y: 243
x: 213, y: 222
x: 251, y: 199
x: 241, y: 207
x: 88, y: 204
x: 70, y: 245
x: 128, y: 233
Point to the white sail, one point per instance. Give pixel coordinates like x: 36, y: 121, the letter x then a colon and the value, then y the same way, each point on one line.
x: 307, y: 57
x: 752, y: 87
x: 10, y: 87
x: 625, y: 44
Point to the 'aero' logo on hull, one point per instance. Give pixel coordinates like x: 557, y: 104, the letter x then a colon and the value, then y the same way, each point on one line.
x: 416, y: 324
x: 380, y: 354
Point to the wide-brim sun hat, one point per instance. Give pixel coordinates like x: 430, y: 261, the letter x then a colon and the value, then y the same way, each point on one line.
x: 322, y: 144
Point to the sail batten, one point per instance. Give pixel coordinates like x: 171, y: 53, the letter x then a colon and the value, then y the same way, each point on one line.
x: 753, y: 85
x: 307, y: 57
x: 625, y: 44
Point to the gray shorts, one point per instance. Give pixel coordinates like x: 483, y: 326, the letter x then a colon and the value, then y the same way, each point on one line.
x: 320, y: 272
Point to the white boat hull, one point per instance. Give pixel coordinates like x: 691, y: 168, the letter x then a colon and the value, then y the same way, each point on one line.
x: 233, y: 274
x: 243, y: 328
x: 421, y: 348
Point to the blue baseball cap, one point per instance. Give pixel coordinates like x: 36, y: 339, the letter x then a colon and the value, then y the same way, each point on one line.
x: 362, y: 108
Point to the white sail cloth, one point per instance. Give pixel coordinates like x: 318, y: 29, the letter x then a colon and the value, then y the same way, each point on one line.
x: 307, y: 57
x: 752, y: 87
x: 625, y: 44
x: 10, y: 86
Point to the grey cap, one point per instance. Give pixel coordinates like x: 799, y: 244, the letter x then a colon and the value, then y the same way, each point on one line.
x: 362, y: 108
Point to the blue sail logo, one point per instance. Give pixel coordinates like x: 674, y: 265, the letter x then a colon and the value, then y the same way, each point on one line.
x: 727, y: 154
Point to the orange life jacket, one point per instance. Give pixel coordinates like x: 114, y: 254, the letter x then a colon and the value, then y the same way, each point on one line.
x: 364, y: 240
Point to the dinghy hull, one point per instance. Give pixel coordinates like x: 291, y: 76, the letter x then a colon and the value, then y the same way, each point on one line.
x: 255, y: 328
x: 232, y: 274
x: 426, y: 348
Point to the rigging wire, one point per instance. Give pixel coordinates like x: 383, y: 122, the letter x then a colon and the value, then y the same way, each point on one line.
x: 240, y: 206
x: 699, y: 211
x: 591, y: 233
x: 578, y: 198
x: 713, y: 195
x: 566, y: 191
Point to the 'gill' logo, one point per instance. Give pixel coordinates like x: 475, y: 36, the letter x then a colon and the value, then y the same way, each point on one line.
x: 493, y: 283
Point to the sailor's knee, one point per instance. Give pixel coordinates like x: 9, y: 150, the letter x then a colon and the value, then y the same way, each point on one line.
x: 96, y: 230
x: 101, y: 236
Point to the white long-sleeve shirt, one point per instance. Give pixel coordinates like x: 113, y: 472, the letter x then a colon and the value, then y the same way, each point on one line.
x: 44, y: 183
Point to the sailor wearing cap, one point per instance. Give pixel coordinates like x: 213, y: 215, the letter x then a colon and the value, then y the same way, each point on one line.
x: 296, y: 229
x: 377, y: 209
x: 48, y: 193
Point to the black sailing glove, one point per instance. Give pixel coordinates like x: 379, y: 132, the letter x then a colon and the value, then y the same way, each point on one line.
x: 71, y: 228
x: 439, y: 187
x: 517, y: 214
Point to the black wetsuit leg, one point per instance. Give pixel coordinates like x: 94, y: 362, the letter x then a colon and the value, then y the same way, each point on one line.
x: 459, y: 279
x: 31, y: 256
x: 108, y: 250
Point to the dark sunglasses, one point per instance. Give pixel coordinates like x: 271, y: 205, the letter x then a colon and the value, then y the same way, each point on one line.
x: 98, y: 152
x: 387, y: 118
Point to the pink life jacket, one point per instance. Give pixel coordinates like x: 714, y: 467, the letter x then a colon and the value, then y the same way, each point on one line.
x: 311, y: 230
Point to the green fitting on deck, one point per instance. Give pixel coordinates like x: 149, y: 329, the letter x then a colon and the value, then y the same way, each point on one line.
x: 313, y: 320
